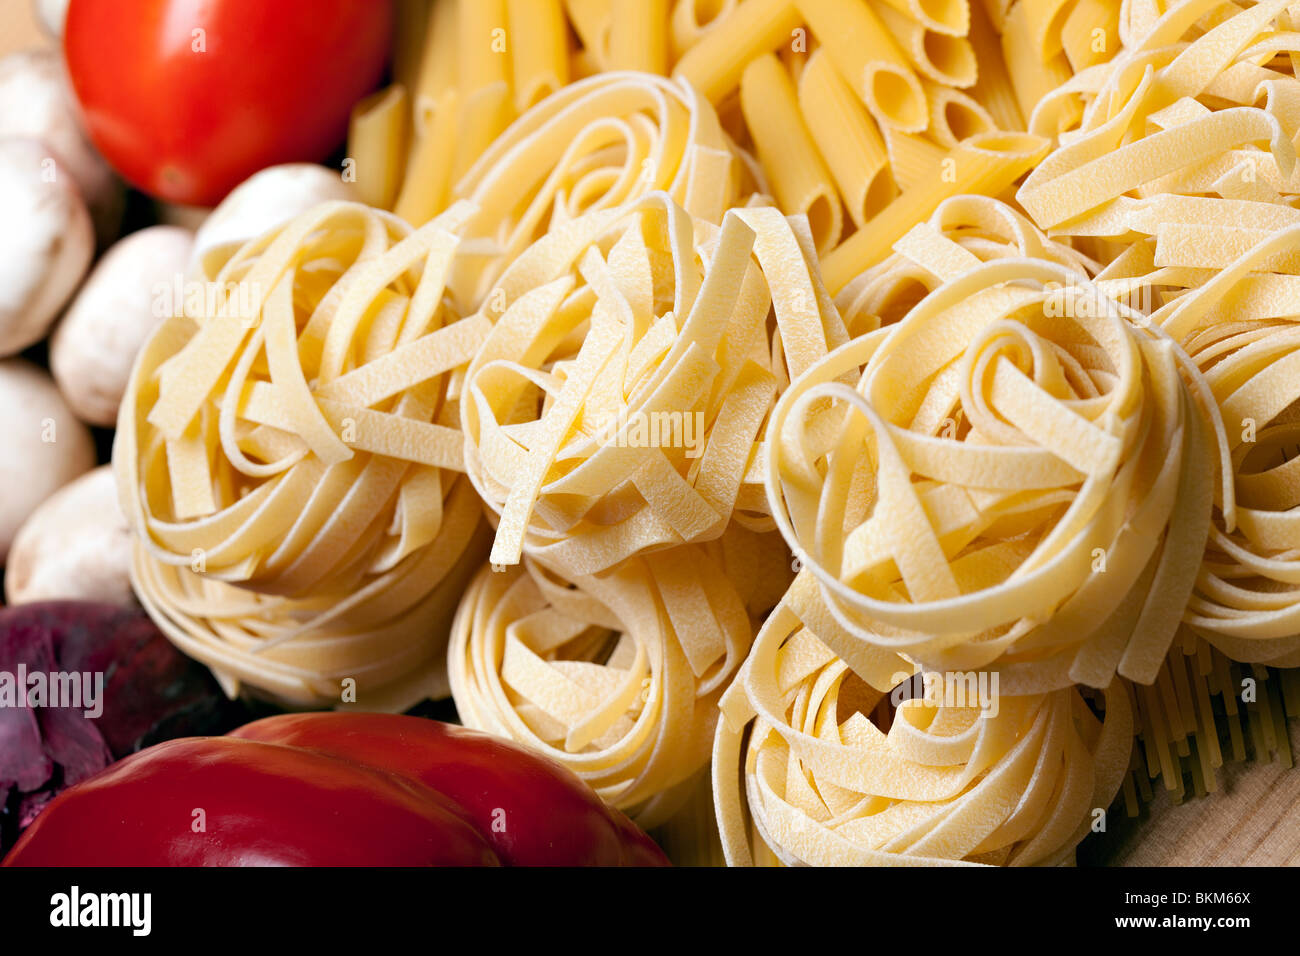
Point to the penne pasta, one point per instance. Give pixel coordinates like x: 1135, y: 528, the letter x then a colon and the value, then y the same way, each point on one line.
x: 638, y: 36
x: 870, y: 61
x: 377, y: 142
x: 539, y: 49
x: 790, y: 159
x: 754, y: 27
x: 847, y: 138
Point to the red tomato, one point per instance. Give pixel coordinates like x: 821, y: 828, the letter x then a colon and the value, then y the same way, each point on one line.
x: 187, y: 98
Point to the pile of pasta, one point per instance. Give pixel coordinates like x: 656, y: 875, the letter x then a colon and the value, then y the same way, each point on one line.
x: 883, y: 411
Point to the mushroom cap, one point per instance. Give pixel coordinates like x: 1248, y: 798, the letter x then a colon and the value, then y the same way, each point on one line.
x: 44, y: 446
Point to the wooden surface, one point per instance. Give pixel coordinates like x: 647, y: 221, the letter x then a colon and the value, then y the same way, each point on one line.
x: 1254, y: 820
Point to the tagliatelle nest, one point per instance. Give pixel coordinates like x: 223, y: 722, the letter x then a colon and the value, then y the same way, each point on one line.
x: 1238, y: 327
x: 291, y: 473
x: 616, y: 405
x: 617, y: 676
x: 1012, y: 476
x: 998, y: 779
x: 598, y: 144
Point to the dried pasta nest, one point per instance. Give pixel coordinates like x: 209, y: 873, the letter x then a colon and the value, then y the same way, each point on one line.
x: 1239, y: 330
x: 617, y: 677
x: 1012, y: 476
x: 615, y: 407
x: 830, y: 774
x: 598, y: 144
x: 288, y: 457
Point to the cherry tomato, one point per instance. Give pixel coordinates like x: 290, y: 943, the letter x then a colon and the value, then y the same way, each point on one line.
x: 188, y: 98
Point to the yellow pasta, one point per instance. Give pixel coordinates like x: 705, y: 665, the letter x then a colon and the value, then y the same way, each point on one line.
x: 980, y: 230
x: 614, y: 408
x: 984, y: 164
x: 869, y: 60
x: 617, y: 677
x: 1032, y: 75
x: 638, y: 36
x: 714, y: 65
x: 835, y: 776
x: 940, y: 57
x: 539, y: 50
x: 595, y: 145
x: 795, y: 169
x: 301, y: 521
x: 691, y: 19
x: 1054, y: 526
x: 848, y: 139
x: 377, y: 144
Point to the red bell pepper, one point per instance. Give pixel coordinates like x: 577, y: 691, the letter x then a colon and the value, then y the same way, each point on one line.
x: 334, y: 789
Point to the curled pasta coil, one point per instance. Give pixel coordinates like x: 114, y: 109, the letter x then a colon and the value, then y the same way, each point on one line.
x: 961, y: 773
x: 616, y: 405
x: 1238, y: 327
x: 1188, y: 136
x: 1009, y: 477
x: 983, y: 229
x: 288, y: 457
x: 597, y: 144
x: 617, y: 677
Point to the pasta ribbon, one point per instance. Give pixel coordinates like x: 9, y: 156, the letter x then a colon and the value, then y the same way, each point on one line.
x: 835, y: 776
x: 289, y: 459
x: 616, y: 405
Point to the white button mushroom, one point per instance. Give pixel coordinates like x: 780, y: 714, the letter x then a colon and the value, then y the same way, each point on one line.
x: 264, y: 200
x: 44, y: 446
x: 46, y: 241
x: 51, y: 15
x: 95, y: 344
x: 36, y: 102
x: 75, y: 546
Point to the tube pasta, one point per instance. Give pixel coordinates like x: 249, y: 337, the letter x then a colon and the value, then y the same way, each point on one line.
x: 617, y: 677
x: 638, y: 36
x: 869, y: 60
x: 785, y: 148
x: 539, y: 53
x: 847, y: 138
x: 1056, y: 525
x: 615, y: 405
x: 377, y: 144
x: 754, y: 27
x: 692, y: 19
x: 997, y: 779
x: 288, y: 461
